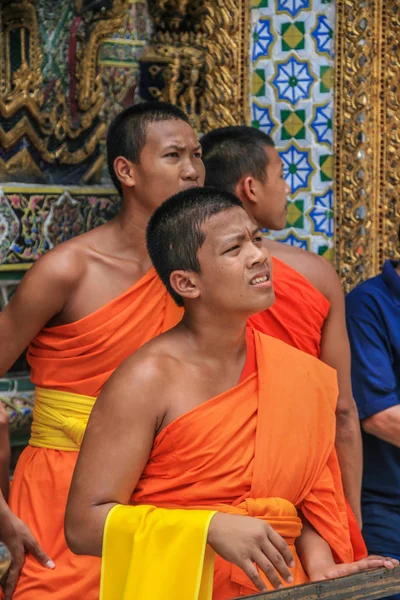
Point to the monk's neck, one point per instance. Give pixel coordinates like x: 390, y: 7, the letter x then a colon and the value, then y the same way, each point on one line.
x: 129, y: 232
x: 215, y: 336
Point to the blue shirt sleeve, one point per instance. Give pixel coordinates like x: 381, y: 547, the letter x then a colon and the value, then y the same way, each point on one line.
x: 372, y: 373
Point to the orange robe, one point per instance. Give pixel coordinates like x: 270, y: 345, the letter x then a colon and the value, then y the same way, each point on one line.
x: 78, y: 357
x: 297, y: 318
x: 253, y: 450
x: 298, y: 313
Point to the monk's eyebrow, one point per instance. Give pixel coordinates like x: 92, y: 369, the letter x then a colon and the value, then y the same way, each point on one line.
x: 175, y: 147
x: 239, y: 237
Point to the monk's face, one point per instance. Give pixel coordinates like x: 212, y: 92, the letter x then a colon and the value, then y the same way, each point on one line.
x: 170, y: 162
x: 270, y: 207
x: 235, y: 265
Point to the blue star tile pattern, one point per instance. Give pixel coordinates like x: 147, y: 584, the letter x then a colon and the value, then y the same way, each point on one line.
x: 322, y: 124
x: 292, y: 6
x: 261, y: 118
x: 322, y: 214
x: 293, y: 240
x: 291, y: 99
x: 262, y: 38
x: 323, y: 35
x: 296, y: 168
x: 293, y: 80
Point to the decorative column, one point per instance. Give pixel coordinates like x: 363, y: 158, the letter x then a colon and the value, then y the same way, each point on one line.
x: 367, y: 139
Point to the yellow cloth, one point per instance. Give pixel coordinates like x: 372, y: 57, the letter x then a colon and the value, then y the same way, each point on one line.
x: 154, y: 553
x: 59, y: 419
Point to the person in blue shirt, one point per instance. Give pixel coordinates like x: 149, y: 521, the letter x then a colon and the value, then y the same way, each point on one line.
x: 373, y: 321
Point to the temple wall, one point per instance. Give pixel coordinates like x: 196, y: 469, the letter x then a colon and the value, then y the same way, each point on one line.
x: 322, y: 77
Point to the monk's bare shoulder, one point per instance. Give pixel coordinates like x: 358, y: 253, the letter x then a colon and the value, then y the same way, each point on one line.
x: 316, y: 269
x: 145, y: 378
x: 67, y: 263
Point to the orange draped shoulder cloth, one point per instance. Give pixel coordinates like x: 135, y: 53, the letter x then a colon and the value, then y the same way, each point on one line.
x: 298, y: 313
x: 76, y: 358
x: 297, y: 318
x: 255, y: 450
x: 79, y: 357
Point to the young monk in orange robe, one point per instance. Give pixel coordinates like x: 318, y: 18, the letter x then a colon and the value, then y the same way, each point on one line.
x: 85, y: 307
x: 309, y: 309
x: 216, y: 424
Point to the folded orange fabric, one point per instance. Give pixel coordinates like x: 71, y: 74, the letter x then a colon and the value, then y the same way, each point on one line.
x: 297, y: 318
x: 267, y: 459
x: 298, y: 313
x: 77, y: 358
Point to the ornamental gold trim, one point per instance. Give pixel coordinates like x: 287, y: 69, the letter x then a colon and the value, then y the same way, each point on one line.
x: 51, y: 130
x: 198, y: 59
x: 367, y: 140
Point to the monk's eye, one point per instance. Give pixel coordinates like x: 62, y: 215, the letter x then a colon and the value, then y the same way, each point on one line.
x: 232, y: 249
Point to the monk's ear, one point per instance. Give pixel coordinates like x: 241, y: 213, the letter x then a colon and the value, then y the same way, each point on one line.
x: 249, y: 189
x: 184, y: 284
x: 125, y: 171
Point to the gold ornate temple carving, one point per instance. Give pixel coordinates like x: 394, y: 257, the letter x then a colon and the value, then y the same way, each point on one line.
x: 367, y: 128
x: 198, y: 59
x: 52, y: 123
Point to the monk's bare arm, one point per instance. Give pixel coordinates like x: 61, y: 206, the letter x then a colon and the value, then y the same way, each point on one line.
x: 318, y: 562
x: 4, y: 452
x: 335, y: 351
x: 41, y: 295
x: 114, y: 452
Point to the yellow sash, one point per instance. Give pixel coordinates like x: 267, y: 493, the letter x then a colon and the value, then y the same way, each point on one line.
x: 154, y: 553
x: 59, y: 419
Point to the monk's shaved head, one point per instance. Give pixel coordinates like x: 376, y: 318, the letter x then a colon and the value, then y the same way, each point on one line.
x: 127, y: 133
x: 174, y: 232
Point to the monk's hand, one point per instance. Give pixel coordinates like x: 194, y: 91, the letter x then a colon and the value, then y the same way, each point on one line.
x: 341, y: 570
x: 19, y: 539
x: 244, y: 541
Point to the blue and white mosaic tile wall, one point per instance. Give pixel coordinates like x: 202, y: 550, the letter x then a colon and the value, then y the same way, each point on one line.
x: 292, y: 100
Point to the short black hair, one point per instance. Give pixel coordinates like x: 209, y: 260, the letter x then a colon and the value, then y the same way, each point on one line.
x: 230, y: 153
x: 174, y: 233
x: 127, y: 132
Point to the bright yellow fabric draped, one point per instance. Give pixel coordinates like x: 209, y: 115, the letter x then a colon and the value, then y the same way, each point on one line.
x: 59, y: 419
x: 154, y: 553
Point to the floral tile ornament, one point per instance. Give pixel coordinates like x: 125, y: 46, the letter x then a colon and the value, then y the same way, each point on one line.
x: 261, y: 118
x: 323, y: 35
x: 321, y: 214
x: 293, y: 36
x: 258, y: 82
x: 262, y: 38
x: 293, y: 239
x: 293, y: 80
x: 322, y: 123
x: 295, y: 214
x: 293, y: 6
x: 297, y: 168
x: 293, y: 124
x: 9, y: 227
x: 291, y: 99
x: 34, y: 218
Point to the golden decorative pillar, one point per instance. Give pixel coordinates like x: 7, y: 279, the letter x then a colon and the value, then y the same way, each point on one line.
x: 367, y: 139
x: 198, y: 59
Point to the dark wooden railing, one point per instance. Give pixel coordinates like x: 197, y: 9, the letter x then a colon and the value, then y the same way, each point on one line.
x: 369, y: 585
